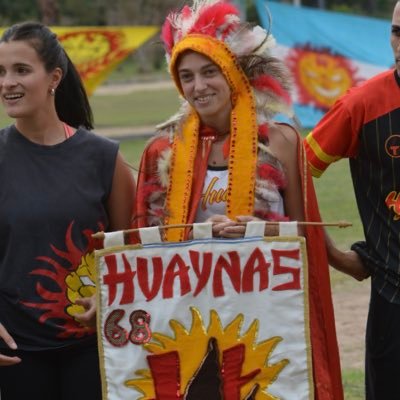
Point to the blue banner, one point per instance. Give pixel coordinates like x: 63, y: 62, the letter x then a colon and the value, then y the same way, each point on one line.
x: 327, y: 52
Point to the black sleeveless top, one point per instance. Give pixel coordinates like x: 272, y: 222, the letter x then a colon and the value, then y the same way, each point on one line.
x: 52, y: 198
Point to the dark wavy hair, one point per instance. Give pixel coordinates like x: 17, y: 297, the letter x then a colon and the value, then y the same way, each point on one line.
x: 71, y: 101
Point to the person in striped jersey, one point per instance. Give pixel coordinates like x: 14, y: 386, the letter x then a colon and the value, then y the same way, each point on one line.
x: 364, y: 126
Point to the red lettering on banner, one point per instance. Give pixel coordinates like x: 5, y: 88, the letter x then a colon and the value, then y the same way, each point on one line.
x: 156, y: 276
x: 255, y: 263
x: 143, y: 276
x: 279, y: 269
x: 202, y: 275
x: 171, y: 273
x: 113, y: 278
x: 232, y: 268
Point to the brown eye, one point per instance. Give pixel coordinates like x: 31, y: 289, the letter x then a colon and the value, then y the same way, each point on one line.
x: 185, y: 77
x: 211, y: 71
x: 396, y: 31
x: 22, y: 70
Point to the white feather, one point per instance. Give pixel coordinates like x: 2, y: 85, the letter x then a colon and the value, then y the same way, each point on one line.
x: 263, y: 147
x: 261, y: 118
x: 163, y: 164
x: 268, y: 194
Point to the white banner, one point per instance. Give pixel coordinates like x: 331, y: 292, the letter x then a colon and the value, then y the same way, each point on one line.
x: 207, y: 319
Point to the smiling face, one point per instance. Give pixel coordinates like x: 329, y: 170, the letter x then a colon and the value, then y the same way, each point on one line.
x: 206, y: 89
x: 395, y: 36
x: 24, y: 83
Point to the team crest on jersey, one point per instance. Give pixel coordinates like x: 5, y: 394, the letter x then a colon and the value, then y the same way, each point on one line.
x: 392, y: 146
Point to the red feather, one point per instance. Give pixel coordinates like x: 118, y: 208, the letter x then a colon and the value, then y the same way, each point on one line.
x: 263, y: 132
x: 267, y: 171
x: 167, y: 35
x: 267, y: 82
x: 150, y: 189
x: 212, y: 18
x: 158, y: 212
x: 186, y: 12
x: 227, y: 31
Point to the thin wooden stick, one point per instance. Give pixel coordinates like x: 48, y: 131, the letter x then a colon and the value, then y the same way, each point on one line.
x: 339, y: 224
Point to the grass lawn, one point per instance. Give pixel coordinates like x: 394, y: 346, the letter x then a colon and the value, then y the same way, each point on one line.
x: 132, y: 150
x: 4, y: 120
x: 134, y: 109
x: 353, y: 382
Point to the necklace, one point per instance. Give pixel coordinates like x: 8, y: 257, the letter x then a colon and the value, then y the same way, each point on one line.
x: 221, y: 136
x: 209, y: 135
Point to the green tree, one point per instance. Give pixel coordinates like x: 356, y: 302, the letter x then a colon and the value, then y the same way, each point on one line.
x: 49, y: 11
x: 16, y: 11
x: 84, y: 12
x: 376, y: 8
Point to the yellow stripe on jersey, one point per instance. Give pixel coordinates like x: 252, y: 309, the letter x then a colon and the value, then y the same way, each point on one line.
x: 319, y: 153
x: 315, y: 172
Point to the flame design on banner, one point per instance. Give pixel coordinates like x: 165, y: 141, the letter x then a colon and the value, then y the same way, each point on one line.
x: 214, y: 362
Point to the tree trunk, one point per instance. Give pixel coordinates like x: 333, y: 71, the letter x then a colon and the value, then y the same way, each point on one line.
x: 49, y: 12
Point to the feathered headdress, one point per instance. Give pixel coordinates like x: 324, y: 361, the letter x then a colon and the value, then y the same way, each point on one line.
x: 218, y: 19
x: 251, y: 46
x: 259, y: 89
x: 208, y: 17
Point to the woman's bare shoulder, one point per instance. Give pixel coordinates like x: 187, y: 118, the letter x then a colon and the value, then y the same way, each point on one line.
x: 283, y: 140
x: 283, y: 133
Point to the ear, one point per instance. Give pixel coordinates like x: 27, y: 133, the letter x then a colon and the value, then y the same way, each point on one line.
x: 55, y: 78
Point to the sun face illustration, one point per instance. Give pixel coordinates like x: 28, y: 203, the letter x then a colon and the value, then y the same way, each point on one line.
x: 94, y: 49
x: 213, y: 363
x: 321, y: 76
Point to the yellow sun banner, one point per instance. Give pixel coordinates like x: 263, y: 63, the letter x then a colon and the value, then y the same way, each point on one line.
x: 97, y: 51
x: 205, y: 319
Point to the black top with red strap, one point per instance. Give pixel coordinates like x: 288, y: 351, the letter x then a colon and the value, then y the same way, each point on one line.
x: 52, y: 198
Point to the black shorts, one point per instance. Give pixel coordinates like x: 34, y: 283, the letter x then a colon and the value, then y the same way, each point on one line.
x: 68, y: 373
x: 382, y: 361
